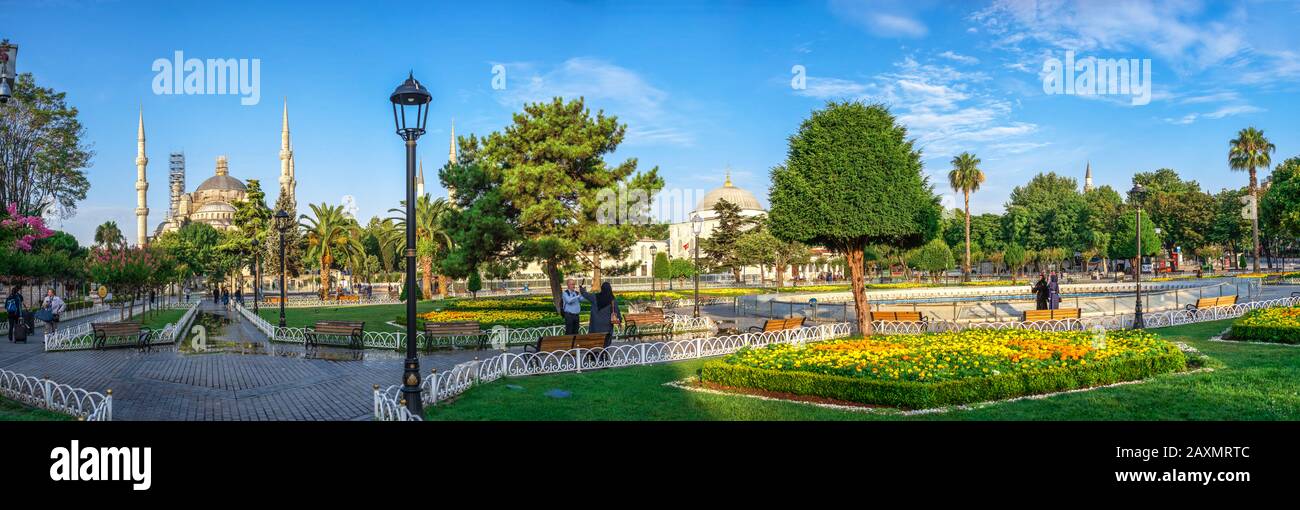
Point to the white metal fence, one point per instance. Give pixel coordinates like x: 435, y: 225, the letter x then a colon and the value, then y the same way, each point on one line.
x: 61, y: 398
x: 82, y: 336
x: 440, y: 386
x: 497, y: 338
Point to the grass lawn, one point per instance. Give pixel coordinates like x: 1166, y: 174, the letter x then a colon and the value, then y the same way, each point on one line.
x: 157, y: 320
x: 14, y: 411
x: 375, y: 316
x: 1256, y: 382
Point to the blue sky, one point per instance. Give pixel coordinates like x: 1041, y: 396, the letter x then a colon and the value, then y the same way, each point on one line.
x: 702, y: 85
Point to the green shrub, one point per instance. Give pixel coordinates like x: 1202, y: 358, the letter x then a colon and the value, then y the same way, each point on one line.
x: 1261, y: 333
x: 923, y: 395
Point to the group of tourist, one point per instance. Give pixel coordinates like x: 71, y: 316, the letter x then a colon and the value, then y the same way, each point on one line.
x: 1047, y: 292
x: 604, y: 309
x: 22, y: 322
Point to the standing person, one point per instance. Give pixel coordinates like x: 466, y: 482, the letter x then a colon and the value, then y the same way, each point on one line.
x: 14, y: 308
x: 225, y: 296
x: 55, y: 306
x: 604, y: 311
x: 216, y: 295
x: 1053, y: 293
x: 571, y: 301
x: 239, y: 295
x: 1040, y: 292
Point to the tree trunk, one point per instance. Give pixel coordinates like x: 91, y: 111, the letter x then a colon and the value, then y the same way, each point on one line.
x: 780, y: 275
x: 443, y: 284
x: 426, y: 267
x: 965, y: 271
x: 861, y: 307
x: 595, y: 271
x: 325, y: 261
x: 1254, y: 221
x: 553, y: 278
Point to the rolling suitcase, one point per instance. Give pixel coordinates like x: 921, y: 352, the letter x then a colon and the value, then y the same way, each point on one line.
x: 22, y: 328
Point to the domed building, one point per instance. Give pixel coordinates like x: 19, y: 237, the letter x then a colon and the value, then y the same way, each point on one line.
x: 681, y: 237
x: 213, y: 202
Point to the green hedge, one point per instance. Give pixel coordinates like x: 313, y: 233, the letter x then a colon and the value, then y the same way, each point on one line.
x: 1276, y: 334
x: 924, y: 395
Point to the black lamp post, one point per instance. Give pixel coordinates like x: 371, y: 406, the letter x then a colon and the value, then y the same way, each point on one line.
x: 697, y: 225
x: 654, y: 251
x: 8, y: 72
x: 411, y: 100
x: 282, y: 225
x: 1137, y: 194
x: 257, y: 280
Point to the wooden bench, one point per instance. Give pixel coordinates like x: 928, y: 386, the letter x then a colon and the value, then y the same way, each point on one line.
x: 271, y: 300
x: 348, y: 297
x: 778, y: 325
x: 434, y: 330
x: 102, y: 331
x: 1211, y: 302
x: 353, y: 330
x: 566, y: 342
x: 1052, y: 315
x: 641, y: 325
x: 897, y: 317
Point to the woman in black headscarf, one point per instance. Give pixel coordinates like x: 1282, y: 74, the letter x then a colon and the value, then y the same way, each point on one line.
x: 1041, y: 291
x: 604, y: 310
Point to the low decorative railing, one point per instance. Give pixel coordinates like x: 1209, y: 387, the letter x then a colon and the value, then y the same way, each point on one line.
x: 82, y: 336
x: 1120, y: 321
x: 498, y: 337
x: 313, y: 301
x: 441, y: 386
x: 52, y: 396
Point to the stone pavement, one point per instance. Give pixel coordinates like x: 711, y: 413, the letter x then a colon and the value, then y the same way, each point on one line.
x: 168, y: 385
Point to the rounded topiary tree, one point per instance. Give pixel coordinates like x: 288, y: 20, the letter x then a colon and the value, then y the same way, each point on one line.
x: 1123, y: 244
x: 851, y: 179
x: 474, y: 284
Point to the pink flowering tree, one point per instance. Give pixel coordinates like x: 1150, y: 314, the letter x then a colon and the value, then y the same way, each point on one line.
x: 126, y: 272
x: 17, y: 233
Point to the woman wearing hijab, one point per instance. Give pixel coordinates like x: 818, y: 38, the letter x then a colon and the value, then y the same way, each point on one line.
x: 1040, y: 292
x: 604, y: 310
x: 1053, y: 293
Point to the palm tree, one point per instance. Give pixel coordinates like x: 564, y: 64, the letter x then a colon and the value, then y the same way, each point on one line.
x: 966, y: 177
x: 108, y: 235
x: 431, y: 239
x: 1248, y: 152
x: 331, y: 236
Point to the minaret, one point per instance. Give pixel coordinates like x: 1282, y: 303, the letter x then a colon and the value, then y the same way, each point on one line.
x: 287, y: 183
x: 451, y: 158
x: 419, y: 182
x: 1087, y: 178
x: 141, y: 187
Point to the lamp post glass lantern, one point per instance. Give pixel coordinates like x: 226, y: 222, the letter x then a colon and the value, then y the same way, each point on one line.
x: 282, y: 225
x: 410, y: 114
x: 697, y: 226
x: 654, y: 251
x: 8, y: 70
x: 1136, y: 195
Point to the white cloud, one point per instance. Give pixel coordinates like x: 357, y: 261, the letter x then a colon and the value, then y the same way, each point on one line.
x: 964, y: 59
x: 1226, y: 111
x: 619, y: 90
x: 883, y: 19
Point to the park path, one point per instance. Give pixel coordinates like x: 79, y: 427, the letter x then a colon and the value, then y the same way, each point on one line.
x: 167, y: 385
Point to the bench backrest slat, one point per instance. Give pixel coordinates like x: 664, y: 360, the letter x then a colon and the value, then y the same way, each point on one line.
x: 452, y: 328
x: 555, y: 343
x: 1047, y: 315
x: 896, y: 316
x: 589, y: 341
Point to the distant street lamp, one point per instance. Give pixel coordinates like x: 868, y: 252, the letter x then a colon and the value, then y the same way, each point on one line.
x: 282, y: 225
x: 411, y: 97
x: 697, y: 226
x: 1136, y: 195
x: 654, y: 250
x: 8, y: 70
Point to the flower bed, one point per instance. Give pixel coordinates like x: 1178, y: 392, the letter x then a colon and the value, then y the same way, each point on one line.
x: 1278, y: 324
x: 924, y: 371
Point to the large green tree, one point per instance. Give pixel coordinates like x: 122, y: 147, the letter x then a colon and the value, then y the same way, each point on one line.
x: 1123, y: 243
x: 720, y: 248
x: 293, y: 240
x: 1047, y: 212
x: 1280, y: 204
x: 1250, y: 151
x: 852, y: 178
x: 252, y: 221
x: 42, y: 156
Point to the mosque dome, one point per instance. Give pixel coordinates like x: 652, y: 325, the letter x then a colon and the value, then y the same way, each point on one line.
x: 732, y: 194
x: 221, y: 182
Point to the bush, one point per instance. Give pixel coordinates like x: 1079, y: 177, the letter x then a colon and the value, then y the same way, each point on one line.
x: 923, y: 395
x: 1277, y: 325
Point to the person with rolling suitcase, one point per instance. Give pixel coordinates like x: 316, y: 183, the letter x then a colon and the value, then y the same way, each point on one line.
x: 13, y: 307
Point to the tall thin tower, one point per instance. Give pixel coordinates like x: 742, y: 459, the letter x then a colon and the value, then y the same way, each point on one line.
x: 175, y: 183
x: 287, y: 181
x: 141, y: 188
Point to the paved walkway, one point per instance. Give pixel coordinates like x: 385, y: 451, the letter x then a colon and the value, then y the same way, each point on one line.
x: 168, y: 385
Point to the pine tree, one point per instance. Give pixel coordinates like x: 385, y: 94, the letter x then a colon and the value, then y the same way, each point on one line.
x: 293, y: 242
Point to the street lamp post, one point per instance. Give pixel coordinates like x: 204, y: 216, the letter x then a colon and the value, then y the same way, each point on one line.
x: 257, y: 281
x: 411, y: 99
x: 654, y: 251
x: 282, y: 225
x: 697, y: 225
x: 1137, y: 194
x: 8, y: 70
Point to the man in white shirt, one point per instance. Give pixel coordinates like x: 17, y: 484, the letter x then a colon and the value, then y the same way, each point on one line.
x: 572, y: 302
x: 56, y: 306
